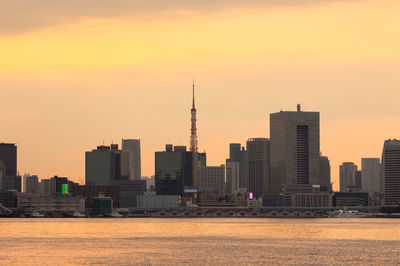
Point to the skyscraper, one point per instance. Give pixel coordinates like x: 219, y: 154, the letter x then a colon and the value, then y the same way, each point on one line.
x: 391, y: 172
x: 132, y: 146
x: 347, y: 173
x: 173, y: 170
x: 295, y: 149
x: 8, y: 155
x: 325, y: 173
x: 371, y: 175
x: 239, y: 154
x: 232, y: 177
x: 258, y: 154
x: 102, y: 166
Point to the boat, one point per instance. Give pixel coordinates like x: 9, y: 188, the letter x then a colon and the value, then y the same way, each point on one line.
x: 78, y: 214
x: 37, y: 214
x: 347, y: 214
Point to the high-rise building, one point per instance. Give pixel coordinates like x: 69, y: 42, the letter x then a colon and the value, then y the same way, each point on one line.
x: 325, y: 173
x: 173, y: 170
x: 212, y: 179
x: 239, y: 154
x: 371, y: 175
x: 31, y: 183
x: 8, y: 155
x: 2, y: 174
x: 391, y: 172
x: 232, y: 177
x: 295, y: 149
x: 358, y: 181
x: 102, y: 166
x: 258, y: 155
x: 347, y: 173
x: 132, y: 146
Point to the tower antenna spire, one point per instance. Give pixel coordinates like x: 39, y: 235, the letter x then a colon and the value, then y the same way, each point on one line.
x: 193, y: 135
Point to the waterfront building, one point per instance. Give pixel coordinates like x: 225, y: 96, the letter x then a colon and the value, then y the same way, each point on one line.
x: 295, y: 149
x: 128, y: 191
x: 132, y: 146
x: 54, y: 185
x: 347, y: 172
x: 371, y: 176
x: 313, y: 199
x: 29, y: 203
x: 258, y: 162
x: 2, y: 174
x: 212, y: 179
x: 391, y: 172
x: 150, y: 182
x: 31, y: 183
x: 89, y: 193
x: 150, y: 200
x: 350, y: 199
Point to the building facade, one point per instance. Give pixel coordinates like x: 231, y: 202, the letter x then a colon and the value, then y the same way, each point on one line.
x: 325, y: 173
x: 8, y: 155
x: 232, y: 177
x: 212, y: 179
x: 347, y: 172
x: 31, y: 183
x: 237, y: 153
x: 391, y: 172
x: 258, y: 162
x: 132, y: 146
x: 371, y: 175
x: 295, y: 149
x: 150, y: 200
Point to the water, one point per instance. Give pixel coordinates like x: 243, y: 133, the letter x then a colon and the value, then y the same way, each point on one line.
x: 222, y: 241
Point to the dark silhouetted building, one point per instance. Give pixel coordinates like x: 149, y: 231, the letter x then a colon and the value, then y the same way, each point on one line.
x: 325, y: 173
x: 391, y: 172
x: 132, y: 147
x: 347, y: 172
x: 350, y: 199
x: 92, y: 192
x: 8, y: 155
x: 258, y: 156
x: 128, y: 192
x: 238, y: 154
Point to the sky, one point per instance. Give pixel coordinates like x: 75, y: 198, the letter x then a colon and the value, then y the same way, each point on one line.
x: 76, y: 73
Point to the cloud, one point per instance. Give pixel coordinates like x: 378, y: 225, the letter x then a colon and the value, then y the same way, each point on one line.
x: 19, y: 16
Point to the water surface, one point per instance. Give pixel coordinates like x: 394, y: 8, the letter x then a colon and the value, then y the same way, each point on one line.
x: 170, y: 241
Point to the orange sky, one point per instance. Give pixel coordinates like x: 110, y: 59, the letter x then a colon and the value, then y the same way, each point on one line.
x: 74, y: 75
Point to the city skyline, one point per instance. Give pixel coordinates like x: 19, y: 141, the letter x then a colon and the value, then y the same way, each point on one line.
x: 74, y: 79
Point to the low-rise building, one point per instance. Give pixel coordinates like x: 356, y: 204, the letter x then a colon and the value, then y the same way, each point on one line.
x: 150, y: 200
x: 29, y: 203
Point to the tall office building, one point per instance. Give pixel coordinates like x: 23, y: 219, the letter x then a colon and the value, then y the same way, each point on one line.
x: 258, y: 155
x: 31, y: 183
x: 237, y: 153
x: 371, y: 175
x: 173, y: 170
x: 102, y: 166
x: 232, y: 177
x: 2, y: 174
x: 295, y: 149
x: 212, y: 179
x: 8, y: 155
x: 391, y: 172
x: 325, y: 173
x: 132, y: 146
x: 347, y: 173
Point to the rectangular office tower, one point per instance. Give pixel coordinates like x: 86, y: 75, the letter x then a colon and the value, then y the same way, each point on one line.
x: 295, y: 149
x: 347, y: 175
x: 237, y: 153
x: 173, y: 170
x: 8, y: 158
x: 103, y: 165
x: 132, y: 146
x: 258, y: 156
x: 391, y: 172
x: 371, y: 176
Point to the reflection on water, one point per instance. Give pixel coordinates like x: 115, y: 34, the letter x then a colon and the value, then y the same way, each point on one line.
x: 200, y: 241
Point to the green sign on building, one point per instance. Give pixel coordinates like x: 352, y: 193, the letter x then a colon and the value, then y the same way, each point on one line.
x: 64, y: 189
